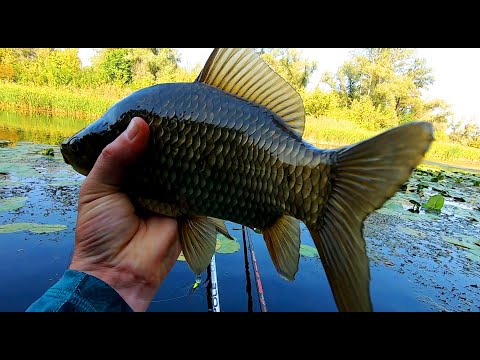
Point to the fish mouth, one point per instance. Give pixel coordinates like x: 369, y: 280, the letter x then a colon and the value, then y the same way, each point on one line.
x: 63, y: 150
x: 66, y: 149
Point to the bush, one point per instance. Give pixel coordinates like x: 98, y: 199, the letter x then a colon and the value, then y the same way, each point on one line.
x: 364, y: 113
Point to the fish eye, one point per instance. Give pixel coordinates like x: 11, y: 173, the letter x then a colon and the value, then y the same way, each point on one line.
x: 75, y: 147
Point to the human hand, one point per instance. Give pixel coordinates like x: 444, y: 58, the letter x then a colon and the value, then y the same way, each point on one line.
x: 131, y: 254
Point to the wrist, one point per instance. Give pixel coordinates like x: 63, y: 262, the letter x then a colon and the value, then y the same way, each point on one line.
x: 135, y: 291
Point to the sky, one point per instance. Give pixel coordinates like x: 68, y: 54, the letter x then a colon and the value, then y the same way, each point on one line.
x: 456, y: 72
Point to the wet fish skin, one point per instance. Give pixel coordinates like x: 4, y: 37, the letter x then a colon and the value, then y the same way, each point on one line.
x: 214, y: 154
x: 203, y: 163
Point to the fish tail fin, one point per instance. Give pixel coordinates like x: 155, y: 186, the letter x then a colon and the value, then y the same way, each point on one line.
x: 363, y: 177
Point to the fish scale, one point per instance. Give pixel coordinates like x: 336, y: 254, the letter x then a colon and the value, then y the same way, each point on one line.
x: 264, y: 199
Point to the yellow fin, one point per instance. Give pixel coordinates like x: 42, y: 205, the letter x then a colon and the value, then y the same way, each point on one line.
x: 198, y: 238
x: 366, y: 175
x: 283, y: 244
x: 220, y: 227
x: 243, y: 73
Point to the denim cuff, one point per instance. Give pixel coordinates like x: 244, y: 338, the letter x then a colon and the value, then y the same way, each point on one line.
x: 77, y: 291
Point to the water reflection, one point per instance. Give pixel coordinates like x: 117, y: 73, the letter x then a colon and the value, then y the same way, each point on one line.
x: 38, y: 129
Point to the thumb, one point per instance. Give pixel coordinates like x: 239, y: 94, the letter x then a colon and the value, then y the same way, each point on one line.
x: 111, y: 166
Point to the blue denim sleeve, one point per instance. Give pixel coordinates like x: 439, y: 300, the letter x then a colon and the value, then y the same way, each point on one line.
x: 79, y: 292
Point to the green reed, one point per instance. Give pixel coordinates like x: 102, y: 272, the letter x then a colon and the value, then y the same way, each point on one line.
x: 330, y: 133
x: 68, y: 102
x: 449, y: 152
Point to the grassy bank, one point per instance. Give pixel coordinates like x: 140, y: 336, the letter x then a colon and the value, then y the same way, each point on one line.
x: 67, y: 102
x: 325, y: 132
x: 71, y: 109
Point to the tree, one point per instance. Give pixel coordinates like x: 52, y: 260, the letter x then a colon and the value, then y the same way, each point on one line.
x: 114, y: 65
x: 465, y: 132
x: 139, y: 67
x: 7, y: 61
x: 290, y: 64
x: 62, y: 67
x: 42, y: 66
x: 392, y: 77
x: 321, y: 103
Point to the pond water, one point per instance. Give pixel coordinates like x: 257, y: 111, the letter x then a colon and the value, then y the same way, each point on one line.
x: 419, y: 261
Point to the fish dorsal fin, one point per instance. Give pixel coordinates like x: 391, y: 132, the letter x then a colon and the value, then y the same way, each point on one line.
x: 243, y: 73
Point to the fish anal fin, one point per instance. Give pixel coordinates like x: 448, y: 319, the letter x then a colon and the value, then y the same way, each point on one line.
x: 221, y: 228
x: 283, y: 243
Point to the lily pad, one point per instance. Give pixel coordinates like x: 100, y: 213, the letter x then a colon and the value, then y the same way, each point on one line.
x: 48, y: 152
x: 387, y: 211
x: 412, y: 197
x: 420, y: 216
x: 308, y: 251
x: 422, y: 185
x: 435, y: 202
x: 32, y: 227
x: 18, y: 169
x: 393, y: 205
x: 12, y: 203
x: 10, y: 183
x: 441, y: 191
x: 66, y: 183
x: 416, y: 233
x: 468, y: 214
x: 472, y: 248
x: 454, y: 241
x: 224, y: 246
x: 471, y: 239
x: 227, y: 246
x: 473, y: 256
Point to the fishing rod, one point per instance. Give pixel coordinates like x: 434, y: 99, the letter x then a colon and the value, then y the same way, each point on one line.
x: 258, y: 280
x: 247, y: 273
x: 213, y: 298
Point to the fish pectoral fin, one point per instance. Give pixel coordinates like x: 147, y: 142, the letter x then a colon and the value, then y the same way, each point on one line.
x: 242, y: 72
x: 198, y: 239
x: 221, y: 228
x: 283, y: 244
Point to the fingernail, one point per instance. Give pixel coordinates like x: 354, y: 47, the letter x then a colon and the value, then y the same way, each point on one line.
x: 132, y: 130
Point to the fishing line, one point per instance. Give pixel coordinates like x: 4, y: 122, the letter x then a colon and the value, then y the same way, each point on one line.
x: 189, y: 290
